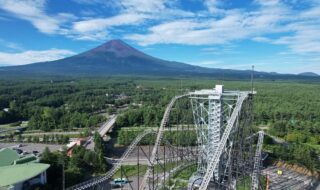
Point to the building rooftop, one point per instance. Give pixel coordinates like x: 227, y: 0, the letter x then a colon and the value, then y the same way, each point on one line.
x: 26, y: 159
x: 18, y: 173
x: 8, y: 156
x: 71, y: 144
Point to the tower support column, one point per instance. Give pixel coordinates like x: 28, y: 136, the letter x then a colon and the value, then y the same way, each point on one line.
x: 215, y: 117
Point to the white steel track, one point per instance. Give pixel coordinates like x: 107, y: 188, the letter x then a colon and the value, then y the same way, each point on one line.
x: 164, y: 122
x: 211, y: 166
x: 117, y: 165
x: 256, y: 165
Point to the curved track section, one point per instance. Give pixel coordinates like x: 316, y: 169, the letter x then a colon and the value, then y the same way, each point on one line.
x: 164, y: 122
x: 116, y: 166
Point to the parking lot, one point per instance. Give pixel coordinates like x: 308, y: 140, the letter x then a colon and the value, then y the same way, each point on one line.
x: 30, y: 147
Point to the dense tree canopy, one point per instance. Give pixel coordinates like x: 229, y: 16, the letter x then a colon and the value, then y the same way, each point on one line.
x: 286, y: 109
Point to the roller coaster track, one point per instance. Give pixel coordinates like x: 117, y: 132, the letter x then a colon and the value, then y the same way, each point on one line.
x: 117, y: 165
x: 230, y: 125
x: 163, y: 124
x: 256, y: 165
x: 211, y: 166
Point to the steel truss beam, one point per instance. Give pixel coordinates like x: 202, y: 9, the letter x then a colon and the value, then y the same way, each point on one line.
x: 223, y: 153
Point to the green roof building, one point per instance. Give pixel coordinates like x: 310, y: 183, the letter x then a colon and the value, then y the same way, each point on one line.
x: 21, y: 176
x: 8, y: 156
x: 20, y: 172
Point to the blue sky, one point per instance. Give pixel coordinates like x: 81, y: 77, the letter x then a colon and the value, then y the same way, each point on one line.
x: 274, y: 35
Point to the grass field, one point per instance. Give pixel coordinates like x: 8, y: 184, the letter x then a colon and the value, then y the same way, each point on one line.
x: 132, y: 170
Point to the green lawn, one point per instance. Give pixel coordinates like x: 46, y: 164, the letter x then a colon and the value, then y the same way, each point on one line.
x: 132, y: 170
x: 186, y: 173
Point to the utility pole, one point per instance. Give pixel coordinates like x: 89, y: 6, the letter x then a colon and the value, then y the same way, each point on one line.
x: 60, y: 161
x: 63, y: 177
x: 252, y: 71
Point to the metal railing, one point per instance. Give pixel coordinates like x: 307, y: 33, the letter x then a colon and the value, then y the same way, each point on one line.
x: 164, y: 122
x: 256, y: 164
x: 116, y: 166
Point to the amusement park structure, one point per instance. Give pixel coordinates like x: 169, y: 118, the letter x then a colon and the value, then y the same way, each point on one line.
x: 206, y: 133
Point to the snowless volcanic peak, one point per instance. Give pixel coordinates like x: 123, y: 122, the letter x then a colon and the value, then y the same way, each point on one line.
x: 119, y: 48
x: 115, y: 57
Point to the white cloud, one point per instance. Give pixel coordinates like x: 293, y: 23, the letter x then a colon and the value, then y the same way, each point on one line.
x: 164, y: 21
x: 34, y: 12
x: 300, y: 27
x: 261, y: 39
x: 10, y: 45
x: 33, y: 56
x: 93, y: 36
x: 195, y: 32
x: 304, y: 39
x: 99, y: 28
x: 213, y: 6
x: 220, y: 50
x: 229, y: 26
x: 130, y: 13
x: 103, y: 23
x: 297, y: 29
x: 143, y: 6
x: 268, y: 2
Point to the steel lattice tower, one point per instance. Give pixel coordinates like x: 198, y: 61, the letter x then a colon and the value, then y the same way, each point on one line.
x: 222, y: 153
x: 214, y: 124
x: 212, y: 110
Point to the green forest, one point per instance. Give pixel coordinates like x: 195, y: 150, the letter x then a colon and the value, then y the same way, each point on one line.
x: 289, y: 110
x: 77, y: 168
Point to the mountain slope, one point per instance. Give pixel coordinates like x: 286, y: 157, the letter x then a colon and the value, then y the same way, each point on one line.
x: 309, y: 74
x: 113, y: 57
x: 118, y: 58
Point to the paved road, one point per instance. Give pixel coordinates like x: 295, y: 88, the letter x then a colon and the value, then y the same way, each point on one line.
x: 52, y: 133
x: 133, y: 185
x: 107, y: 126
x: 2, y: 130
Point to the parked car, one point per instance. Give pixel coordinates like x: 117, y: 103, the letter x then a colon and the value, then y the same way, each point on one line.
x: 19, y: 151
x: 119, y: 182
